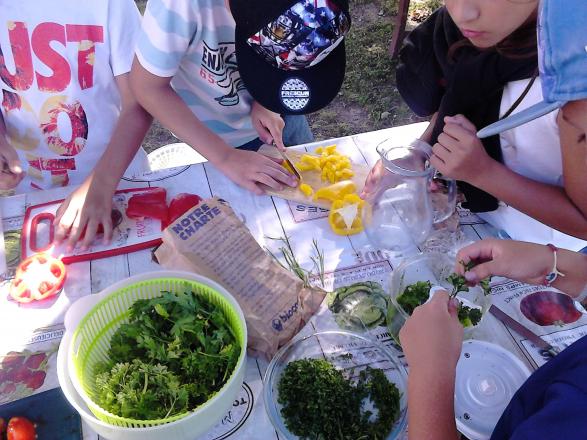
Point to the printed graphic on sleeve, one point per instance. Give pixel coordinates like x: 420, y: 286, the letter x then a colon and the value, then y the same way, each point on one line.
x: 219, y: 67
x: 55, y: 129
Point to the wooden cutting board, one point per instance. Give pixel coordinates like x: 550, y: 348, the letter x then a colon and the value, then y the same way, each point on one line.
x: 312, y: 178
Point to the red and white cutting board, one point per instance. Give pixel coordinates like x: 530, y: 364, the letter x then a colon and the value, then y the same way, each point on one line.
x: 129, y: 236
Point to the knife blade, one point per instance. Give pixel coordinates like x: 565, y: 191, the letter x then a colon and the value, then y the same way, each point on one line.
x: 289, y: 163
x: 510, y: 322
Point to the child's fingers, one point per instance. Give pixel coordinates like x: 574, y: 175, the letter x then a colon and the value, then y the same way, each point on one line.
x: 462, y: 121
x: 457, y: 132
x: 268, y: 181
x: 91, y: 230
x: 75, y: 232
x: 63, y: 223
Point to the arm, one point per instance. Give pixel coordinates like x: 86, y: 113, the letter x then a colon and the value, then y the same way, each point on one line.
x: 10, y: 169
x: 432, y: 339
x: 459, y: 154
x: 522, y: 261
x: 91, y: 203
x: 157, y: 96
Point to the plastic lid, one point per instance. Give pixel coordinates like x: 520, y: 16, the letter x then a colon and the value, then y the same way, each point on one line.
x: 487, y: 378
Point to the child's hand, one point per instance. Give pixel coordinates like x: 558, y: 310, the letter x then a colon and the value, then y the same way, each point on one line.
x: 249, y: 169
x: 433, y: 336
x: 518, y: 260
x: 269, y: 125
x: 459, y: 153
x: 10, y: 169
x: 86, y: 208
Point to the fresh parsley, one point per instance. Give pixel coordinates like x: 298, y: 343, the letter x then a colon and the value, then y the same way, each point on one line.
x: 320, y: 402
x: 175, y: 352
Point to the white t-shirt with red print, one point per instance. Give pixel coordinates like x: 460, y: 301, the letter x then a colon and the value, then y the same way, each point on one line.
x: 60, y: 101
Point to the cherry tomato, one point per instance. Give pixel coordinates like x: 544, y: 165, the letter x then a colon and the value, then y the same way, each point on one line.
x: 21, y: 428
x: 38, y: 277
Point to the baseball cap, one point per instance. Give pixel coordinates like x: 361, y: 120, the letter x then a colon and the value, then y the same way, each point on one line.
x: 290, y: 53
x: 562, y: 60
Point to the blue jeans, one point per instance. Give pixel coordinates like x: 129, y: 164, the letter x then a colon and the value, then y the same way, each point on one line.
x: 296, y: 131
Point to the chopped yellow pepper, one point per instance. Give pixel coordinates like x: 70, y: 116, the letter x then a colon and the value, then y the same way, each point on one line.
x: 306, y: 189
x: 336, y: 190
x: 332, y: 165
x: 345, y: 216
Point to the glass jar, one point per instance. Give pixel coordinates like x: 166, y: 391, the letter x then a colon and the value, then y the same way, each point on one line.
x: 405, y: 197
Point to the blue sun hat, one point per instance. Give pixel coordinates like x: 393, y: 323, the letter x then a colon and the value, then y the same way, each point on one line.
x: 562, y: 59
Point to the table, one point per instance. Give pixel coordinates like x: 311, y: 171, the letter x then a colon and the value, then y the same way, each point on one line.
x: 346, y: 258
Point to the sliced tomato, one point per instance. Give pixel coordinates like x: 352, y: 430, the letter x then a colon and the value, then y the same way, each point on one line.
x: 180, y: 204
x: 38, y: 277
x: 151, y: 204
x: 21, y: 428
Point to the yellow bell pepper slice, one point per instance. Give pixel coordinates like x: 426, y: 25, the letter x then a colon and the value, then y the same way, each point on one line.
x: 336, y: 191
x: 345, y: 216
x: 306, y: 189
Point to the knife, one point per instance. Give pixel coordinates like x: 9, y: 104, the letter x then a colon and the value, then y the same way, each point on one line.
x: 510, y: 322
x: 290, y: 165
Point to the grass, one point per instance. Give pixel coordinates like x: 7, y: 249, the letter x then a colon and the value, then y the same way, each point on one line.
x: 368, y: 99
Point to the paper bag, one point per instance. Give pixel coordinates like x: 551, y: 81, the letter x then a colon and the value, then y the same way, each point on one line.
x: 212, y: 241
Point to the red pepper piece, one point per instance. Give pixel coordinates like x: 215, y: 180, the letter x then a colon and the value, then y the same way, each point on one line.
x: 148, y: 204
x: 38, y: 277
x: 180, y: 204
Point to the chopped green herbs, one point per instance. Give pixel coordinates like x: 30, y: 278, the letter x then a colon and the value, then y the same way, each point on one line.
x: 319, y: 402
x: 417, y: 294
x: 414, y: 295
x: 175, y: 352
x: 469, y: 316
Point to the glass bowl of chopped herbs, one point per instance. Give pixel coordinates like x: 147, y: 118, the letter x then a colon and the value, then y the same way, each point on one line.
x: 336, y: 385
x: 410, y: 285
x: 163, y: 351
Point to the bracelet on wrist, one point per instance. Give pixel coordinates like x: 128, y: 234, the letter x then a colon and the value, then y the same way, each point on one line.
x: 554, y: 272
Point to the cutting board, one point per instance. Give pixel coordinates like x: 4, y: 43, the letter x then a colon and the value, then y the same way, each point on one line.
x: 129, y: 236
x: 312, y: 178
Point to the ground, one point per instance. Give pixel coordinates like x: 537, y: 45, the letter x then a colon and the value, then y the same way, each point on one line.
x: 368, y: 99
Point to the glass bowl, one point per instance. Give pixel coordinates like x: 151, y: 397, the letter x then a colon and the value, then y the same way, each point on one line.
x: 348, y: 352
x: 434, y: 267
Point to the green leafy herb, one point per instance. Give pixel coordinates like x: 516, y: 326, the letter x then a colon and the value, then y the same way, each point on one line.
x: 459, y: 282
x: 414, y: 295
x: 175, y: 352
x: 319, y: 402
x: 469, y: 316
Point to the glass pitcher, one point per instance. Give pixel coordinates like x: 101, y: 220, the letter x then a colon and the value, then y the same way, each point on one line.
x: 405, y: 196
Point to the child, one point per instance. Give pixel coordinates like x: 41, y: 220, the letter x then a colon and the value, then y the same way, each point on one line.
x: 552, y: 402
x: 68, y: 117
x: 471, y: 63
x: 187, y: 74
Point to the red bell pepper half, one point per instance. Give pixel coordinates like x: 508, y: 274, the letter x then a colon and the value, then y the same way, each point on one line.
x: 151, y: 204
x: 180, y: 204
x: 38, y: 277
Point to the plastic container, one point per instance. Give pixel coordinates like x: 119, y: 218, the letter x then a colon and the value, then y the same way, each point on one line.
x: 91, y: 321
x: 173, y: 155
x: 335, y: 347
x: 487, y: 378
x: 433, y: 267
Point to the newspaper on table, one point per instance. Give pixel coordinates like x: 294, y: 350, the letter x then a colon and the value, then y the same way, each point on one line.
x: 212, y: 241
x: 546, y: 311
